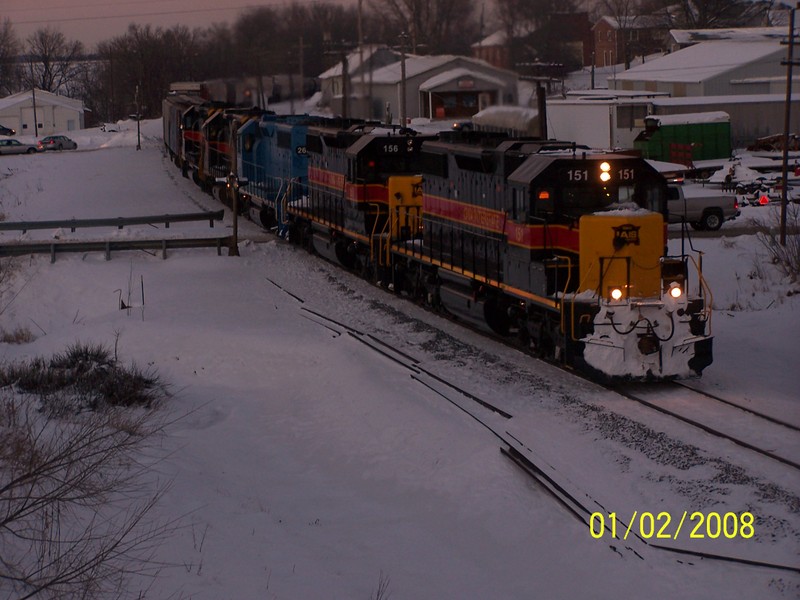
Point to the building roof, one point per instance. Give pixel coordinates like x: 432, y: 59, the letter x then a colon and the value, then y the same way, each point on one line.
x: 634, y: 22
x: 43, y: 98
x: 454, y: 74
x: 354, y: 60
x: 716, y: 116
x: 418, y: 65
x: 685, y: 37
x: 703, y: 61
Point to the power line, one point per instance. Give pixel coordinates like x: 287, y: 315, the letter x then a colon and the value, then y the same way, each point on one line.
x: 154, y: 14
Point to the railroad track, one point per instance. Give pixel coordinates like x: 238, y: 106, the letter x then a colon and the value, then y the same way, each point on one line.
x: 769, y: 436
x: 569, y: 494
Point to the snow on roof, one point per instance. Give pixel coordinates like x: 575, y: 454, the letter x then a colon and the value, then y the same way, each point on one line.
x: 634, y: 21
x: 42, y: 97
x: 518, y: 118
x: 414, y: 66
x: 458, y: 73
x: 694, y: 36
x: 686, y: 118
x: 703, y: 61
x: 666, y: 167
x: 717, y: 100
x: 605, y: 94
x: 354, y: 60
x: 498, y: 38
x: 417, y: 65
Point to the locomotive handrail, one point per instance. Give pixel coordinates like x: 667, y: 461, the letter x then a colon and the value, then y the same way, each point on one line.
x: 705, y: 288
x: 118, y: 222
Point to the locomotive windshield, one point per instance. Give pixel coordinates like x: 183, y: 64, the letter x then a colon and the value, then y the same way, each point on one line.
x: 585, y: 187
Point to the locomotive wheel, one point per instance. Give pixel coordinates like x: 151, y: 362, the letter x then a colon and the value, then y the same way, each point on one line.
x: 267, y: 218
x: 497, y: 317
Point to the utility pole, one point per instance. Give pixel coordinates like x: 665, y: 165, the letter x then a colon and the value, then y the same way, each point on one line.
x: 789, y: 62
x: 35, y: 119
x: 341, y: 50
x: 233, y: 186
x: 138, y: 121
x: 403, y: 41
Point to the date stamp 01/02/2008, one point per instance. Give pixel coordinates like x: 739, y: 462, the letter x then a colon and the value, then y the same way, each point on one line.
x: 664, y: 525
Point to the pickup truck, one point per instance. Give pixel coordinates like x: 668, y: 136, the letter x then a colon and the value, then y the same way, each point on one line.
x: 702, y: 207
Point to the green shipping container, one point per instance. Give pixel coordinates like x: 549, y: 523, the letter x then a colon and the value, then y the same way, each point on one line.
x: 685, y: 138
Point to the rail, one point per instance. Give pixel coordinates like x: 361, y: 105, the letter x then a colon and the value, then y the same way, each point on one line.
x: 118, y: 222
x: 108, y: 246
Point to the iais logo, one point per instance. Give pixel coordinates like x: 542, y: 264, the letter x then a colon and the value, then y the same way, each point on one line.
x: 626, y: 234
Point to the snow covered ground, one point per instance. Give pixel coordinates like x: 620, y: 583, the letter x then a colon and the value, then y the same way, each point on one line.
x: 307, y: 466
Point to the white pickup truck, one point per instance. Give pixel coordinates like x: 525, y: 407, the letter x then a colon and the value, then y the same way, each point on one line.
x: 702, y: 207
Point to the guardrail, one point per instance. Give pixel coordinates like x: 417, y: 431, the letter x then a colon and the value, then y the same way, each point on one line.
x: 108, y: 246
x: 118, y: 222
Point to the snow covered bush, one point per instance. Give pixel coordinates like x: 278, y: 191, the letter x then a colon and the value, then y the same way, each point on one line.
x: 785, y: 256
x: 75, y: 492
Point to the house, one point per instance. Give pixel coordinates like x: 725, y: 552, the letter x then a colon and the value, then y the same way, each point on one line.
x: 54, y: 113
x: 494, y: 49
x: 573, y: 30
x: 713, y: 68
x: 361, y: 65
x: 435, y: 87
x: 619, y: 40
x: 438, y: 87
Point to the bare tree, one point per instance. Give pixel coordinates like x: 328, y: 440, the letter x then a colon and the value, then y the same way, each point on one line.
x: 711, y: 14
x: 9, y: 48
x: 538, y: 30
x: 627, y: 14
x: 52, y: 60
x: 437, y: 25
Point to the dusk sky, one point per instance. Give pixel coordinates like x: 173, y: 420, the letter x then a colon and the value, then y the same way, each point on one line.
x: 91, y: 21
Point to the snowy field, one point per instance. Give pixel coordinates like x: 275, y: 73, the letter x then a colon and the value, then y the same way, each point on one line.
x: 304, y: 465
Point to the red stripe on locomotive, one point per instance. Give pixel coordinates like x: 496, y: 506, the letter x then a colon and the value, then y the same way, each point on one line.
x: 495, y: 221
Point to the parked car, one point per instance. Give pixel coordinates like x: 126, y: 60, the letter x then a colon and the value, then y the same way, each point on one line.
x: 58, y: 142
x: 7, y: 130
x: 12, y: 146
x: 703, y: 208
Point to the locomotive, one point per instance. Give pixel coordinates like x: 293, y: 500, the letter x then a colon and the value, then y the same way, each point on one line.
x: 558, y: 247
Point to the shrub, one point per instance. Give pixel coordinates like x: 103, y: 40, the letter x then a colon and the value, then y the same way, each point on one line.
x: 75, y: 494
x: 84, y: 377
x: 785, y: 256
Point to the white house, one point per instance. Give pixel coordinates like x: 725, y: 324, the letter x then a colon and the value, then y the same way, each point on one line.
x: 54, y: 113
x: 439, y: 87
x: 436, y: 87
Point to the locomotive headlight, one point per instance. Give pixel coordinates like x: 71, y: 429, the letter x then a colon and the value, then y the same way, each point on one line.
x: 675, y: 290
x: 616, y: 294
x: 605, y: 172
